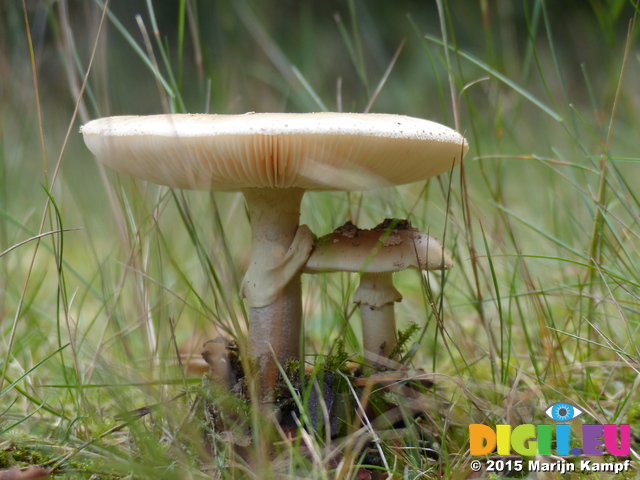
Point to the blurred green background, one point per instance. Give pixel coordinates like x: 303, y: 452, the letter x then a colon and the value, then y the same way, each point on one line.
x: 232, y: 57
x: 534, y: 81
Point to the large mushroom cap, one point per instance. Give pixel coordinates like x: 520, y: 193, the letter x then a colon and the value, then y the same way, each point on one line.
x: 313, y: 151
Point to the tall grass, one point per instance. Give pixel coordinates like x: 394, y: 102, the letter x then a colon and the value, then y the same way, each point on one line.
x: 103, y: 278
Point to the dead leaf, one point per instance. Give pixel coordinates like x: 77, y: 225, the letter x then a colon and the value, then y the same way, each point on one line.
x: 23, y: 474
x: 363, y: 474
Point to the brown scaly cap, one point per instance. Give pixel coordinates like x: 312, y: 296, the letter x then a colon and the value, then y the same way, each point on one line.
x: 377, y: 250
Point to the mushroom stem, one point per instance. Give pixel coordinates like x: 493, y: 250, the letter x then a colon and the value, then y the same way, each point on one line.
x: 376, y: 296
x: 272, y: 287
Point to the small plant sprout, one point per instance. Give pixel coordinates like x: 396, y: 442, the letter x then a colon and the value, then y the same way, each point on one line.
x: 389, y: 247
x: 273, y: 158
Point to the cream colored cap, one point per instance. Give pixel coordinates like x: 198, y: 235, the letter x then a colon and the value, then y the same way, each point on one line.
x: 349, y: 249
x: 314, y: 151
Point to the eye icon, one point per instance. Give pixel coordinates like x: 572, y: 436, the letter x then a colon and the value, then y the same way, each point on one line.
x: 563, y: 412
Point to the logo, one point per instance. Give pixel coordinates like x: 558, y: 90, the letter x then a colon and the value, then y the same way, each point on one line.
x: 563, y: 412
x: 531, y: 440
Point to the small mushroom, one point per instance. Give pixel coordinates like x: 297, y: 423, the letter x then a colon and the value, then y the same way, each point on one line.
x: 377, y: 253
x: 273, y: 158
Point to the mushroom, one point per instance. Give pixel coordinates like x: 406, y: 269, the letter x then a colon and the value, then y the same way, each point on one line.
x: 377, y: 253
x: 273, y: 158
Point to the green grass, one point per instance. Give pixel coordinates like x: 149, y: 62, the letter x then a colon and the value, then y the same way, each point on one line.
x: 101, y: 276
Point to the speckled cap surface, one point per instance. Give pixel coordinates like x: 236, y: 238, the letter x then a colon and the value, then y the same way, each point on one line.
x: 314, y: 151
x: 349, y: 249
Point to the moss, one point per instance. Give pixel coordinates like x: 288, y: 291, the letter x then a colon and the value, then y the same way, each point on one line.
x: 633, y: 417
x: 5, y: 461
x: 338, y: 360
x: 17, y: 455
x: 23, y: 456
x: 403, y: 339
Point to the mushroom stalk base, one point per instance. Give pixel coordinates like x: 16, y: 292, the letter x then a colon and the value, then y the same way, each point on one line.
x: 376, y: 296
x: 272, y: 283
x: 378, y: 329
x: 275, y: 330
